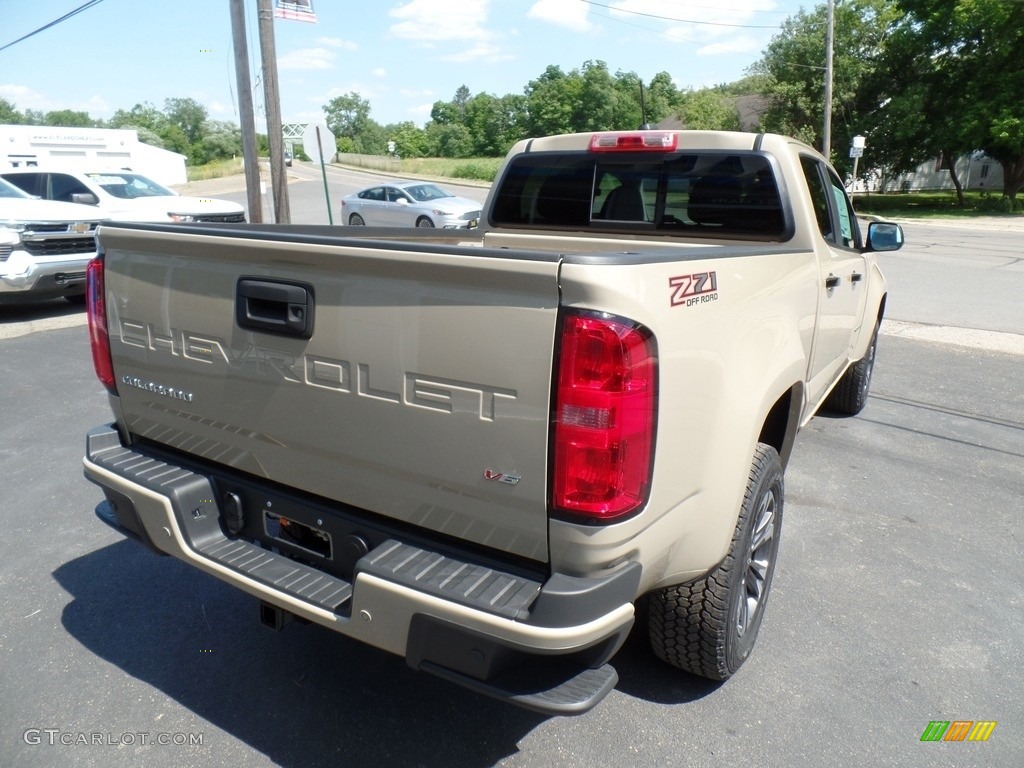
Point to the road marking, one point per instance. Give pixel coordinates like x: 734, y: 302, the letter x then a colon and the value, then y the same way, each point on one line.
x: 988, y: 341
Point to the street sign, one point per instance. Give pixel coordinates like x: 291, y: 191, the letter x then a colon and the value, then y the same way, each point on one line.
x: 326, y: 144
x: 856, y: 151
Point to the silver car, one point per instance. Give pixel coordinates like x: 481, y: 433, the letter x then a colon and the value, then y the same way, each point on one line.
x: 409, y: 204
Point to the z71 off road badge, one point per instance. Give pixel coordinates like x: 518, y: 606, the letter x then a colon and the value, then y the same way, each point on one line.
x: 688, y: 290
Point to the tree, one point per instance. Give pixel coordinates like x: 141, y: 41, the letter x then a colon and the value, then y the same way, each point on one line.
x: 221, y: 141
x: 9, y: 115
x: 188, y: 115
x: 971, y: 51
x: 709, y: 110
x: 347, y: 115
x: 410, y: 141
x: 69, y: 118
x: 793, y: 69
x: 550, y: 102
x: 143, y: 115
x: 448, y: 140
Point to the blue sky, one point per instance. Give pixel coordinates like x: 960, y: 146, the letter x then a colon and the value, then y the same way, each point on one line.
x: 400, y: 55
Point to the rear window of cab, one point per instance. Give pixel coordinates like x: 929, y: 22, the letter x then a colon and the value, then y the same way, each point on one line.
x: 727, y: 194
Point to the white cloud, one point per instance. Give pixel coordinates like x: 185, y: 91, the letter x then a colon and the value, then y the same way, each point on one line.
x: 307, y: 58
x: 479, y: 52
x: 337, y: 42
x: 23, y: 97
x: 425, y: 21
x: 217, y: 108
x: 379, y: 72
x: 733, y: 45
x: 571, y: 14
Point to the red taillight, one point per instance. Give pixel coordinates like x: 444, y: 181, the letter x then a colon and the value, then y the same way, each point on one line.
x: 605, y: 408
x: 96, y: 308
x: 638, y: 141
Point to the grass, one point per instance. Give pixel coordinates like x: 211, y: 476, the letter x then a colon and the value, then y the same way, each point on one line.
x: 477, y: 168
x: 933, y: 205
x: 214, y: 170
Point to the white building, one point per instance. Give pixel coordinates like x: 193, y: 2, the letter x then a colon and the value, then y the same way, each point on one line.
x: 976, y: 171
x: 88, y: 149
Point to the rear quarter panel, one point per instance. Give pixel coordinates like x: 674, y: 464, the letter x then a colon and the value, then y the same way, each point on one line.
x: 725, y: 357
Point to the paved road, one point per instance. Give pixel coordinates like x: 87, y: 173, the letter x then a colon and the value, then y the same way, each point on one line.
x: 897, y: 601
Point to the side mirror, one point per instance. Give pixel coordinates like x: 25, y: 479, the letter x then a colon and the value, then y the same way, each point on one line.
x: 884, y: 236
x: 84, y: 198
x: 402, y: 201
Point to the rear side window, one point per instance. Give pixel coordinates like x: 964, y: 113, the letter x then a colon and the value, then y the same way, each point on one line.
x: 828, y: 198
x: 703, y: 194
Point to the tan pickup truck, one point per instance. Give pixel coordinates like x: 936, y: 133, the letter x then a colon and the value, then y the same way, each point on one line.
x: 482, y: 450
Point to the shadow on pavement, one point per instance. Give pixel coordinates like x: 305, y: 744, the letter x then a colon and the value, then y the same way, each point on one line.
x: 303, y: 696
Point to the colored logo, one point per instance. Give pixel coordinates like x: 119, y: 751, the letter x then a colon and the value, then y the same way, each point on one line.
x: 958, y: 730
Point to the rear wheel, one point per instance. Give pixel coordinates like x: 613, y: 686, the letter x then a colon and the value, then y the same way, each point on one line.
x: 708, y: 626
x: 356, y: 220
x: 850, y: 394
x: 423, y: 221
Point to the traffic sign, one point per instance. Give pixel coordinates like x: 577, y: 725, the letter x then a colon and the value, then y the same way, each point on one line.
x: 326, y: 143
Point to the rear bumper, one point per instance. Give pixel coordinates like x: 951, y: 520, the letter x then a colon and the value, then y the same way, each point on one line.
x: 539, y: 642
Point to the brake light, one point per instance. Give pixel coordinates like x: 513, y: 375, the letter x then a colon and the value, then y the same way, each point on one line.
x: 96, y: 309
x: 637, y: 141
x: 604, y: 419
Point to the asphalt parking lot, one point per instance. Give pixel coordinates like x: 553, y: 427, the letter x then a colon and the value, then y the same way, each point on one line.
x: 897, y: 603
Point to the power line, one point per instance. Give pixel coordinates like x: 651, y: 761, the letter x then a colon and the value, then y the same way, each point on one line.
x: 682, y: 21
x: 54, y: 23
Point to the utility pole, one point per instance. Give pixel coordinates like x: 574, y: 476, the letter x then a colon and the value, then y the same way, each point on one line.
x: 272, y: 97
x: 826, y: 139
x: 247, y: 117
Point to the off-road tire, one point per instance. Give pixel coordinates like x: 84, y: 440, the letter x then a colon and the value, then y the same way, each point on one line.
x: 708, y: 626
x: 850, y: 394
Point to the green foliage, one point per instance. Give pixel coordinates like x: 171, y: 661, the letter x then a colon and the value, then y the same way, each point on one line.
x: 709, y: 110
x: 188, y: 115
x: 347, y: 116
x: 481, y: 170
x: 792, y: 71
x: 1001, y: 204
x: 926, y: 204
x: 9, y: 114
x: 69, y: 118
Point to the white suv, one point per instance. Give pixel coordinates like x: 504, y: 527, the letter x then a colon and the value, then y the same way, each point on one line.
x: 44, y: 247
x: 122, y: 196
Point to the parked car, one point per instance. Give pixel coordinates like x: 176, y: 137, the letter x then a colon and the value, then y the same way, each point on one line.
x: 409, y: 204
x: 44, y: 247
x: 288, y: 159
x: 122, y: 195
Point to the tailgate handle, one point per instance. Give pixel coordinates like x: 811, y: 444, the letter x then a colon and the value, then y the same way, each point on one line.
x: 275, y: 306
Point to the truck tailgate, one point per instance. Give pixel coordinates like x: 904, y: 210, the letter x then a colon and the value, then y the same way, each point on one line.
x: 420, y: 394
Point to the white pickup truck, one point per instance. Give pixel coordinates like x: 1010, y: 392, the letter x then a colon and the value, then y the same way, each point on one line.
x: 482, y: 450
x: 44, y: 247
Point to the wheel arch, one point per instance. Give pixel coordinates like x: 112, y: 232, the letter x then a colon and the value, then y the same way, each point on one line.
x: 783, y: 422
